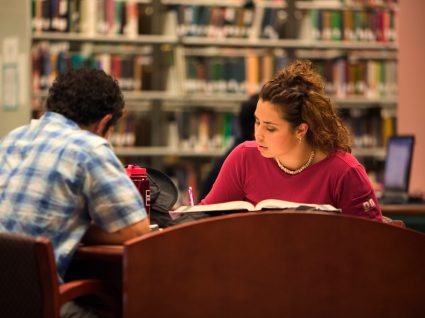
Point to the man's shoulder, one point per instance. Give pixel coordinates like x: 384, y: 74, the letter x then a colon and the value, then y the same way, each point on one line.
x: 71, y: 144
x: 86, y: 138
x: 15, y: 133
x: 59, y: 127
x: 85, y: 144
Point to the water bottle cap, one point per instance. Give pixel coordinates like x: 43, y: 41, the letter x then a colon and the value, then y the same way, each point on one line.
x: 134, y: 170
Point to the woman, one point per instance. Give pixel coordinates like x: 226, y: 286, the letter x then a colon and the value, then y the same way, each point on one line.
x: 301, y: 151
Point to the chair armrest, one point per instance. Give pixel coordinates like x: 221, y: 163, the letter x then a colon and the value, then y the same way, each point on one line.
x: 83, y: 287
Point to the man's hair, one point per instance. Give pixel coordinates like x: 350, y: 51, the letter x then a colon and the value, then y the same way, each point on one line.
x: 86, y: 96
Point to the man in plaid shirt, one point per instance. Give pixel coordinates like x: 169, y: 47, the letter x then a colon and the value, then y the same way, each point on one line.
x: 59, y: 177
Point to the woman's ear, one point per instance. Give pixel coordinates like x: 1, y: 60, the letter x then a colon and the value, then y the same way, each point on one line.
x: 301, y: 130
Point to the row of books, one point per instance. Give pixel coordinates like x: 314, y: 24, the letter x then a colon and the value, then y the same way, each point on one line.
x: 198, y: 131
x: 367, y: 24
x: 389, y: 3
x: 214, y: 21
x: 206, y: 130
x: 366, y: 78
x: 344, y: 77
x: 202, y: 130
x: 91, y: 17
x: 349, y: 25
x: 240, y: 73
x: 370, y: 127
x: 133, y: 71
x: 134, y: 128
x: 133, y: 18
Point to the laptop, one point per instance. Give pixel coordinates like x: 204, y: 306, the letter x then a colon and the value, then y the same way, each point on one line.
x: 397, y: 169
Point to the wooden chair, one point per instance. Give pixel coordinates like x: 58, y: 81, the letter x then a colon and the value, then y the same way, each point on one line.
x: 29, y: 283
x: 275, y: 264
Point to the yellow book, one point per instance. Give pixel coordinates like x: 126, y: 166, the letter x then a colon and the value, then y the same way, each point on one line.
x: 252, y: 73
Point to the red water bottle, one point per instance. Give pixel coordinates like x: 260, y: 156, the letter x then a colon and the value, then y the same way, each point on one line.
x: 141, y: 180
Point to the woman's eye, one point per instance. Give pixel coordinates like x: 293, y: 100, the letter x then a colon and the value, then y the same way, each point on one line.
x: 271, y: 129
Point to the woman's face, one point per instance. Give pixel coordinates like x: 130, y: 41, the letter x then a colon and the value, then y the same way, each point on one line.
x: 273, y: 134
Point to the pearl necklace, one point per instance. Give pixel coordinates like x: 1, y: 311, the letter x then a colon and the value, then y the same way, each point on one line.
x: 302, y: 168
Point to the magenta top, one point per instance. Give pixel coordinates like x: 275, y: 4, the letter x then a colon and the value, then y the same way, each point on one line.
x: 339, y: 180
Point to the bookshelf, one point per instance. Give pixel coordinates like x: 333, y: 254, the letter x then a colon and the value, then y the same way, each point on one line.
x: 185, y: 66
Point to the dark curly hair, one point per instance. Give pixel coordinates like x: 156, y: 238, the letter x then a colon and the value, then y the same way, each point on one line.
x: 86, y: 96
x: 298, y: 92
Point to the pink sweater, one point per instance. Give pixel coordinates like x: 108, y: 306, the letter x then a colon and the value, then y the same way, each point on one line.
x: 339, y: 180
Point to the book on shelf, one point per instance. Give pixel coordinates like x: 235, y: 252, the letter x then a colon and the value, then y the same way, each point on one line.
x: 241, y: 71
x: 213, y: 21
x: 268, y: 204
x: 348, y: 24
x: 274, y: 24
x: 133, y: 69
x: 129, y: 18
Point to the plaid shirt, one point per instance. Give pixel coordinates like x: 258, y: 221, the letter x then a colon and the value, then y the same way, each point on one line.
x: 56, y: 178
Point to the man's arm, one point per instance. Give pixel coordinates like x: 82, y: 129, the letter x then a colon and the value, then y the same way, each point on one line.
x: 96, y: 235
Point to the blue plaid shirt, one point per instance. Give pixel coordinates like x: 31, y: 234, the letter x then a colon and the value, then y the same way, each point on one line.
x: 55, y: 179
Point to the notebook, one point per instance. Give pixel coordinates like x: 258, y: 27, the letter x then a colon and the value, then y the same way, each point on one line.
x: 397, y: 169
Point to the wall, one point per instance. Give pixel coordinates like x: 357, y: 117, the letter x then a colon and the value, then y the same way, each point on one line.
x: 411, y: 72
x: 10, y: 13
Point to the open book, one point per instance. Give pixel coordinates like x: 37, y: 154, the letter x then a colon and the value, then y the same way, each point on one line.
x: 269, y: 204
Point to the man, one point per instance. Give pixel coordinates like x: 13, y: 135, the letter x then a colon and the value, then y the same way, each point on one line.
x: 59, y: 177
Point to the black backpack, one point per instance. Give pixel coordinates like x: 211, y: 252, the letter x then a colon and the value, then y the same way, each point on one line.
x: 164, y: 195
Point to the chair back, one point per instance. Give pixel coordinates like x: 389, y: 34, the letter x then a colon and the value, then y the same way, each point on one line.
x: 274, y: 264
x: 28, y: 281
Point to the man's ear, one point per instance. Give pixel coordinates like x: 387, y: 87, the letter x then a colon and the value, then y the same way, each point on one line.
x: 102, y: 124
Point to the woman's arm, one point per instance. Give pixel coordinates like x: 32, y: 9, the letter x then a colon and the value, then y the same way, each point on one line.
x: 356, y: 195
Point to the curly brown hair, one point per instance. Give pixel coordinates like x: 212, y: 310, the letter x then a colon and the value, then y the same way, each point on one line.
x: 85, y: 96
x: 298, y: 92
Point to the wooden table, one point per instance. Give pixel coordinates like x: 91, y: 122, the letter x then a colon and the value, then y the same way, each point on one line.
x: 249, y: 264
x: 405, y: 209
x: 413, y: 215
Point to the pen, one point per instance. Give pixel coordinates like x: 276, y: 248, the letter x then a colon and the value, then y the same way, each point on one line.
x: 190, y: 191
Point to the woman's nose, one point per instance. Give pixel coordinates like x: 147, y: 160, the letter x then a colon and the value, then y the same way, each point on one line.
x: 257, y: 134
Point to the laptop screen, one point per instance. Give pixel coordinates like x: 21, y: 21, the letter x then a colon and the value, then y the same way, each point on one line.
x: 398, y: 163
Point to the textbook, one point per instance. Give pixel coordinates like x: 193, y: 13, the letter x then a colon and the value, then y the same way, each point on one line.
x: 269, y: 204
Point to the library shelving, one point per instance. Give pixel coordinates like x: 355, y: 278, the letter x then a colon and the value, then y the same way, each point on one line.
x: 185, y: 66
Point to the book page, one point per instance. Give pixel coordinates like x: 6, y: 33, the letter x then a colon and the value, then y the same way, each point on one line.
x: 276, y: 204
x: 281, y: 204
x: 233, y: 205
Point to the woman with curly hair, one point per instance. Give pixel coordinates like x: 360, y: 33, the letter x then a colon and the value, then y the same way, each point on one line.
x: 301, y: 151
